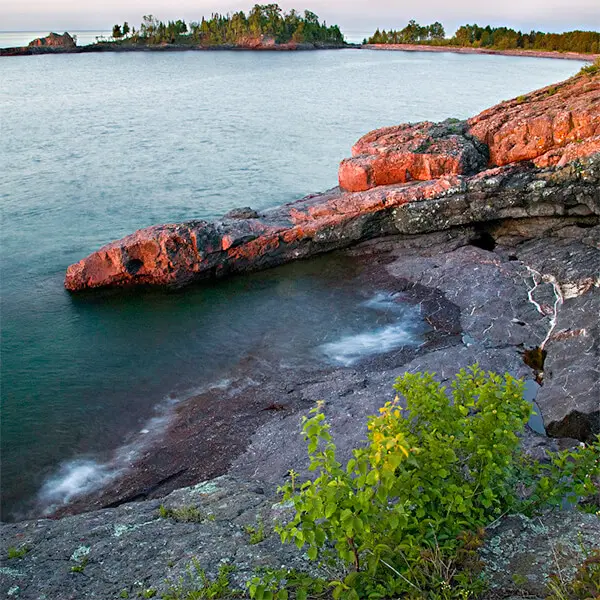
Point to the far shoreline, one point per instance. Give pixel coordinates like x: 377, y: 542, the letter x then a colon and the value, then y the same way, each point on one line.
x: 291, y: 47
x: 469, y: 50
x: 112, y: 47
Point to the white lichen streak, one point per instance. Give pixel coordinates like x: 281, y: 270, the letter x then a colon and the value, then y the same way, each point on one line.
x: 539, y: 279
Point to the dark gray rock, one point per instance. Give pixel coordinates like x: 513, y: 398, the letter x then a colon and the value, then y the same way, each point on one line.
x: 242, y: 213
x: 482, y: 305
x: 132, y: 549
x: 521, y: 553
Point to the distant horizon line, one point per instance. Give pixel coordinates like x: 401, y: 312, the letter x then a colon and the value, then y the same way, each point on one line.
x: 38, y: 30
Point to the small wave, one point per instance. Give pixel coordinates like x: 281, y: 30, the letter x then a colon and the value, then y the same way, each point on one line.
x: 82, y: 476
x: 352, y: 348
x: 386, y: 302
x: 403, y: 332
x: 75, y: 478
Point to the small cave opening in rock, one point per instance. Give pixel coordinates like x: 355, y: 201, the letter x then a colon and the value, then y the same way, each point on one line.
x: 133, y: 266
x: 535, y: 358
x: 483, y: 240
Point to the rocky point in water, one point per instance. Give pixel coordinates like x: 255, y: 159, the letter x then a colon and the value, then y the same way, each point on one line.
x: 490, y: 226
x: 54, y: 40
x: 527, y: 169
x: 513, y: 161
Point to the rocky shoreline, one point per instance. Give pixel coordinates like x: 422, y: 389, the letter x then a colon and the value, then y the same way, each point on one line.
x: 490, y: 226
x: 515, y: 160
x: 482, y: 305
x: 284, y: 47
x: 120, y: 47
x: 460, y: 50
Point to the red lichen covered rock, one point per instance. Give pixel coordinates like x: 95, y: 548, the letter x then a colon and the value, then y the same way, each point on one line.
x: 410, y: 153
x: 566, y: 154
x: 557, y: 121
x: 405, y: 179
x: 175, y: 255
x: 54, y: 40
x: 543, y: 122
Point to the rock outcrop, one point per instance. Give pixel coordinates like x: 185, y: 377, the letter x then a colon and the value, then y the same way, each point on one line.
x: 54, y: 40
x: 522, y: 170
x: 408, y: 179
x: 551, y: 126
x: 179, y: 254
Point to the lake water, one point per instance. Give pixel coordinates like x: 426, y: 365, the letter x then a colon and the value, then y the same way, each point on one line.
x: 96, y: 146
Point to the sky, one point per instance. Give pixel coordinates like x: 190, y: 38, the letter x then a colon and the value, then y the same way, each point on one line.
x: 357, y: 15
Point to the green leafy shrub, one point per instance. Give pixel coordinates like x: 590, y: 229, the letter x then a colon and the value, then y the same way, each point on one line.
x: 256, y: 532
x: 81, y: 565
x: 401, y: 515
x: 196, y: 585
x: 281, y: 584
x: 592, y: 69
x: 182, y: 514
x: 13, y: 552
x: 568, y: 477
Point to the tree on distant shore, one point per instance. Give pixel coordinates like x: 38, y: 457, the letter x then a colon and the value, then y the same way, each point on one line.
x: 264, y: 20
x: 116, y: 32
x: 413, y: 33
x: 495, y: 38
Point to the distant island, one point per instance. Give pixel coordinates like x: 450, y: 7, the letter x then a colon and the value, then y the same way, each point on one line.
x: 268, y: 27
x: 263, y: 22
x: 498, y: 39
x: 265, y: 27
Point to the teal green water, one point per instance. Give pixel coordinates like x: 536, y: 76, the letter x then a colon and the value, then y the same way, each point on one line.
x: 96, y: 146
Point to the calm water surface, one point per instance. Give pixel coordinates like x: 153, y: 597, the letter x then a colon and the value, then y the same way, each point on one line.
x: 96, y: 146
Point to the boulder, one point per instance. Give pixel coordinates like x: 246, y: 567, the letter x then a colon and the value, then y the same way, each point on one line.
x: 53, y: 40
x: 552, y: 126
x: 544, y: 125
x: 411, y: 153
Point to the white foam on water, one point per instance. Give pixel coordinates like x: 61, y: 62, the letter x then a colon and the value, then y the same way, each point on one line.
x: 351, y: 348
x: 386, y: 302
x: 73, y: 479
x: 84, y: 475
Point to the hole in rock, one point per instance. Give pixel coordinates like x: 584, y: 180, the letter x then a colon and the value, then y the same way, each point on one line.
x: 133, y: 266
x: 534, y: 358
x: 513, y: 257
x: 483, y: 240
